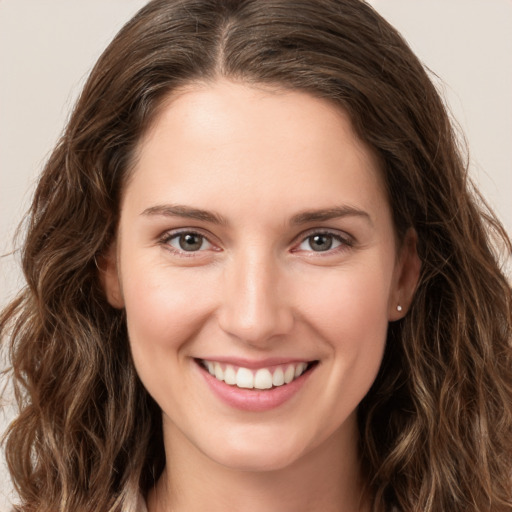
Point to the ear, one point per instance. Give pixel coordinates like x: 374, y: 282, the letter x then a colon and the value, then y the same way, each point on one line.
x: 109, y: 277
x: 407, y: 273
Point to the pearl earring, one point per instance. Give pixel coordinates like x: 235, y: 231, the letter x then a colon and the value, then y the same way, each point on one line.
x: 399, y: 308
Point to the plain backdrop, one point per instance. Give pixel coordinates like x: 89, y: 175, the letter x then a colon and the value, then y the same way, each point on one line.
x: 47, y: 48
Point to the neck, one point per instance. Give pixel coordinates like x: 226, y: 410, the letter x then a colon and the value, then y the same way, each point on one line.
x: 327, y: 479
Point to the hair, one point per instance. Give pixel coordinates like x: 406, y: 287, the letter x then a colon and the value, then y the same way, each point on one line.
x: 436, y: 426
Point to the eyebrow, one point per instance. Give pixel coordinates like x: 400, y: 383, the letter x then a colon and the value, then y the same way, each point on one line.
x: 321, y: 215
x: 186, y: 212
x: 304, y: 217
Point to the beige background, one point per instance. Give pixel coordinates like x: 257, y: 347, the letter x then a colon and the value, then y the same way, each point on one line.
x: 47, y: 48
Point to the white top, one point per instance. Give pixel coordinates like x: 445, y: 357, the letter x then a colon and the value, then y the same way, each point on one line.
x: 141, y: 504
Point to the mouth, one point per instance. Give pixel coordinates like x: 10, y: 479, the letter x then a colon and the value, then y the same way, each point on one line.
x: 264, y: 378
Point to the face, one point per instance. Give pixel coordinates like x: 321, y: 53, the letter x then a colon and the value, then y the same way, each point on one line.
x: 258, y: 266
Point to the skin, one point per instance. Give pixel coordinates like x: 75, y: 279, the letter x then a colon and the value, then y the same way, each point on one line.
x: 256, y: 288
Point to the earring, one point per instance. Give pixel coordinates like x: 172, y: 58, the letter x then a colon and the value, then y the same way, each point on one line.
x: 399, y: 308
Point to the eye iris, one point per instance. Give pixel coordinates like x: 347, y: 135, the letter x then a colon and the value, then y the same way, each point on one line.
x: 190, y: 242
x: 320, y: 242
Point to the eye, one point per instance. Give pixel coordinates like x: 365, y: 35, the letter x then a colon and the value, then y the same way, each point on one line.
x: 321, y: 242
x: 188, y: 241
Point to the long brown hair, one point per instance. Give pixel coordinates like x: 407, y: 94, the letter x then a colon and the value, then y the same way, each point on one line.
x: 436, y: 427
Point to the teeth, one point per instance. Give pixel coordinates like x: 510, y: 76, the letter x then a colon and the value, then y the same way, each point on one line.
x: 219, y: 374
x: 230, y: 375
x: 263, y: 379
x: 244, y: 378
x: 299, y: 369
x: 278, y: 377
x: 289, y: 374
x: 259, y: 379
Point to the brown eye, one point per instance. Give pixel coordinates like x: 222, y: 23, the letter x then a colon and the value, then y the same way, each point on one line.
x: 320, y: 242
x: 189, y: 242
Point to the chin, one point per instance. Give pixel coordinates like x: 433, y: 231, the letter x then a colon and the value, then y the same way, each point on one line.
x: 256, y: 462
x: 259, y: 455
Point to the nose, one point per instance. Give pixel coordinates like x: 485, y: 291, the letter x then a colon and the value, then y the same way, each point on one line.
x: 254, y: 306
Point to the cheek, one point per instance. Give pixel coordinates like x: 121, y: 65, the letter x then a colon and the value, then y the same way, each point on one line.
x: 349, y: 313
x: 349, y: 300
x: 164, y: 309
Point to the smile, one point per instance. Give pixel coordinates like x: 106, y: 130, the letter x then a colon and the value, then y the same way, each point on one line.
x: 255, y: 387
x: 261, y: 378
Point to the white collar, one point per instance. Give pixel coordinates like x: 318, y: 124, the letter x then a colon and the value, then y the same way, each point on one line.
x: 141, y: 504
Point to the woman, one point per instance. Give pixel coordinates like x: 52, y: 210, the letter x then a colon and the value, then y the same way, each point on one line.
x: 257, y: 276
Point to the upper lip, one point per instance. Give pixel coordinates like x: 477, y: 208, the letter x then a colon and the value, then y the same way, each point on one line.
x: 256, y: 363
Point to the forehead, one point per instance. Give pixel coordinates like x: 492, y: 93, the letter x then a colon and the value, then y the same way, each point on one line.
x: 244, y: 142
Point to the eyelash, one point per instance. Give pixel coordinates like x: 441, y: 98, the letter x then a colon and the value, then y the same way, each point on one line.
x: 167, y: 237
x: 345, y: 242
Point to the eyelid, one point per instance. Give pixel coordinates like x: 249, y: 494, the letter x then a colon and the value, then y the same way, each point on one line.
x: 173, y: 233
x: 347, y: 241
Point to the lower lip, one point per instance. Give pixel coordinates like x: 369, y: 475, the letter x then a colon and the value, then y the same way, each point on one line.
x: 255, y: 400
